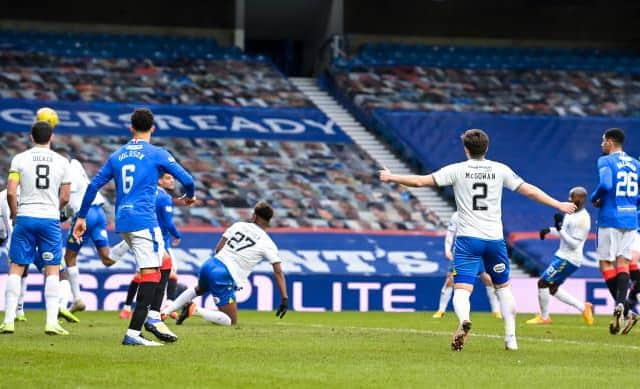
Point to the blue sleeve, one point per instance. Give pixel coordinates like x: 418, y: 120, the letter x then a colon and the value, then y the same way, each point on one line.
x: 169, y: 165
x: 104, y: 175
x: 166, y: 218
x: 606, y: 181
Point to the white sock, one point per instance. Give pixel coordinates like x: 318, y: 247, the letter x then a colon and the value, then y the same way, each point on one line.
x: 567, y: 298
x: 445, y: 296
x: 154, y: 315
x: 508, y: 310
x: 133, y: 333
x: 23, y: 292
x: 215, y: 317
x: 184, y: 298
x: 73, y: 273
x: 127, y: 307
x: 11, y: 295
x: 65, y: 291
x: 51, y: 296
x: 493, y: 299
x: 461, y: 304
x: 543, y: 300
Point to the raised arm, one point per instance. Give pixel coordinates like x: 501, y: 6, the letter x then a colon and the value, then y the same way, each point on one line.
x: 406, y: 180
x: 105, y: 174
x: 169, y: 164
x: 538, y: 195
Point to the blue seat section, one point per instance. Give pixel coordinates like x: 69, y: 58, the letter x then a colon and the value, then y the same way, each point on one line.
x: 554, y: 153
x: 475, y: 57
x: 103, y: 45
x: 542, y: 251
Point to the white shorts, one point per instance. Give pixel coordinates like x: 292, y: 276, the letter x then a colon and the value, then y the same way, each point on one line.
x: 636, y: 243
x: 172, y: 254
x: 615, y: 242
x: 147, y: 247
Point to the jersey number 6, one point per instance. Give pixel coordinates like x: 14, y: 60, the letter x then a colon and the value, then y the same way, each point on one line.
x: 127, y: 177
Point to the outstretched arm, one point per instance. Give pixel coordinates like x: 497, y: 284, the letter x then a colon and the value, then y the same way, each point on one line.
x: 406, y: 180
x: 538, y: 195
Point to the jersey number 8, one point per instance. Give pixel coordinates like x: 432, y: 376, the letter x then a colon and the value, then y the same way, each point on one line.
x: 42, y: 176
x: 627, y: 185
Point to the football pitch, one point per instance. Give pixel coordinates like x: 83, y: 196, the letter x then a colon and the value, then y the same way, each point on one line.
x: 348, y: 349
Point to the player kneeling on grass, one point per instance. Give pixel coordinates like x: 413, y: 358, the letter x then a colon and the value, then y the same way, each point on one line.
x: 573, y: 231
x: 241, y: 248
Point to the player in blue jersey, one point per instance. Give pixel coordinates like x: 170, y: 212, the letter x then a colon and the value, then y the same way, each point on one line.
x: 477, y: 185
x: 135, y: 168
x: 170, y: 234
x: 617, y: 198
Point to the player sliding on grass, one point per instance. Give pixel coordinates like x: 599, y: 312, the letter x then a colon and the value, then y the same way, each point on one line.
x: 477, y: 185
x: 573, y: 231
x: 241, y: 248
x: 447, y: 288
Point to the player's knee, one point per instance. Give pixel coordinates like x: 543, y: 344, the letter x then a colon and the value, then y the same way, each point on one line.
x: 553, y: 289
x: 542, y: 284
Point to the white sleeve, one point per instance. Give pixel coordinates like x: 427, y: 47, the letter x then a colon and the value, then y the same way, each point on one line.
x: 5, y: 223
x: 271, y: 253
x: 446, y: 176
x: 74, y: 175
x: 66, y: 177
x: 229, y: 232
x: 511, y: 180
x: 15, y: 165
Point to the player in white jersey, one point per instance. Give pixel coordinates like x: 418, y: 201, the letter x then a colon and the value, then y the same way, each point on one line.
x: 447, y: 288
x: 96, y: 230
x: 241, y: 248
x: 573, y: 231
x: 477, y: 185
x: 44, y: 180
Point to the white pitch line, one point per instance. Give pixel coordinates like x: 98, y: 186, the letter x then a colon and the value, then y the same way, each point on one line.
x: 442, y: 333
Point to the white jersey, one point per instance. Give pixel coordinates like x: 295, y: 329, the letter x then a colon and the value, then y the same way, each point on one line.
x: 573, y: 235
x: 452, y: 229
x: 79, y: 183
x: 477, y: 185
x: 42, y: 172
x: 247, y: 244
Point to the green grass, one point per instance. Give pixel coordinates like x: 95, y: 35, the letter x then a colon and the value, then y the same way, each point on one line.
x: 348, y: 349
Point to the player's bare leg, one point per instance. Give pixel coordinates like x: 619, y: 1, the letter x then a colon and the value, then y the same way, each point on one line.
x: 462, y: 307
x: 491, y: 295
x: 445, y: 296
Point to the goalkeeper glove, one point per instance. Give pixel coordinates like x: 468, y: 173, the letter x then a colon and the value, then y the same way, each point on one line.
x: 558, y: 218
x: 544, y: 232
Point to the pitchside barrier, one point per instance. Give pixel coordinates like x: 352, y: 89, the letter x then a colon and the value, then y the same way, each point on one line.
x: 327, y: 270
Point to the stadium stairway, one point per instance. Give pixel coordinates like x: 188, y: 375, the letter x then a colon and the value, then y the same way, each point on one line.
x: 429, y: 197
x: 369, y: 143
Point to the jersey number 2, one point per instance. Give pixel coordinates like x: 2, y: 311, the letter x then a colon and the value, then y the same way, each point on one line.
x: 42, y: 176
x: 627, y: 185
x: 480, y: 196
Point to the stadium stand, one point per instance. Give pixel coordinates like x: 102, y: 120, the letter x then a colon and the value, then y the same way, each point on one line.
x: 545, y: 104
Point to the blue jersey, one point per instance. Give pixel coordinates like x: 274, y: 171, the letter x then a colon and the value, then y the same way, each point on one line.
x: 135, y: 169
x: 617, y: 191
x: 164, y: 211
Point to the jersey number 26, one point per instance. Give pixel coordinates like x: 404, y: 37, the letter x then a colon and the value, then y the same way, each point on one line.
x: 627, y: 185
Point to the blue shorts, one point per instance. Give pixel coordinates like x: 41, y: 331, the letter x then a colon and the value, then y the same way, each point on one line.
x: 214, y: 278
x: 450, y: 268
x: 474, y: 255
x: 34, y: 239
x: 558, y: 271
x: 96, y: 230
